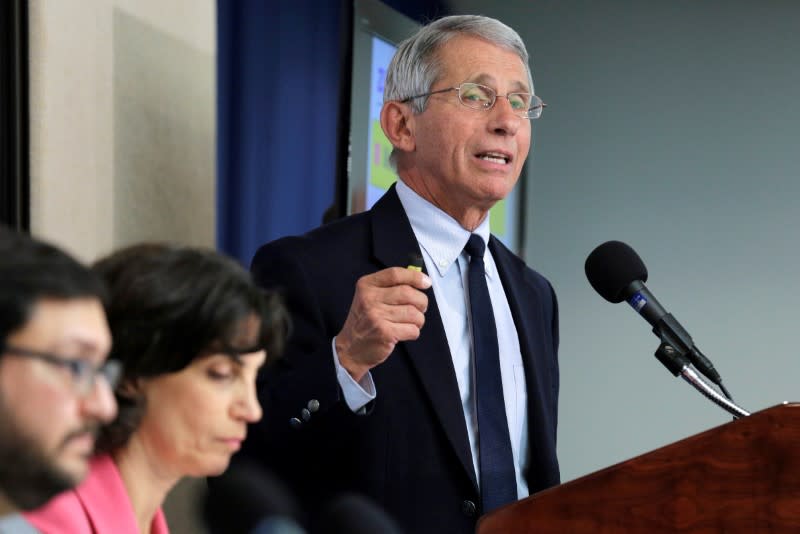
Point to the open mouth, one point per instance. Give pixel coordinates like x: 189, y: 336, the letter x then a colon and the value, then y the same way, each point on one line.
x: 495, y: 157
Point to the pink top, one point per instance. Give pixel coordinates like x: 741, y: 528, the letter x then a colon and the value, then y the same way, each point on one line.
x: 100, y: 504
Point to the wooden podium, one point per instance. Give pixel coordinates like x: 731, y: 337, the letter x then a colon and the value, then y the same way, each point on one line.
x: 743, y: 476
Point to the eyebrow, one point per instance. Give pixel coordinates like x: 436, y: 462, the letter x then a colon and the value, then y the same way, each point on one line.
x: 489, y: 80
x: 238, y: 358
x: 82, y: 347
x: 235, y: 355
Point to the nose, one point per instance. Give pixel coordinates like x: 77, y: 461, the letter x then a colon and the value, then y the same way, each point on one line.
x: 247, y: 407
x: 99, y: 403
x: 503, y: 119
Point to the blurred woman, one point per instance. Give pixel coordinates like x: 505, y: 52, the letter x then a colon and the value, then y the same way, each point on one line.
x: 191, y: 330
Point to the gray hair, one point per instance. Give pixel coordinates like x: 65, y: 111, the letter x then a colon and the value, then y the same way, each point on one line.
x: 415, y: 66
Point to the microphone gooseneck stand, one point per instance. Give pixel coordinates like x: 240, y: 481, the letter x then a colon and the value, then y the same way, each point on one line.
x: 678, y: 365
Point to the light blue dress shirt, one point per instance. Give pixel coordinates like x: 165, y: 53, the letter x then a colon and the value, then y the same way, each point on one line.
x: 442, y: 241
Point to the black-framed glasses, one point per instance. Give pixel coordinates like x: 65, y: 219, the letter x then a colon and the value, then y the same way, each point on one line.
x: 82, y: 372
x: 477, y: 96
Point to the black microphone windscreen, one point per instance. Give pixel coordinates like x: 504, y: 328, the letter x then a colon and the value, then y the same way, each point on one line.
x: 356, y: 514
x: 611, y: 267
x: 241, y: 499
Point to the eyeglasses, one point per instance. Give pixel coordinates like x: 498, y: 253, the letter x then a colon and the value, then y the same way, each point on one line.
x: 83, y: 373
x: 477, y: 96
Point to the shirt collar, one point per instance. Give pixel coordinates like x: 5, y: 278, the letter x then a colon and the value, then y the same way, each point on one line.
x: 438, y: 234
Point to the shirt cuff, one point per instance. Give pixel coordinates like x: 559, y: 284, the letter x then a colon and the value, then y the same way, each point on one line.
x: 356, y: 394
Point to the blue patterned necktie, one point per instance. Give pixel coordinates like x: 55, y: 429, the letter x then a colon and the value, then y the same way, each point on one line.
x: 496, y: 461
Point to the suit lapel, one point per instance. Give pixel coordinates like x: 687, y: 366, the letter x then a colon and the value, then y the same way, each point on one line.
x: 516, y: 288
x: 104, y: 498
x: 393, y: 240
x: 528, y: 321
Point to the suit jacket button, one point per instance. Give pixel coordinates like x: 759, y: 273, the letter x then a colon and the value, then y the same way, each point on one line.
x: 469, y: 508
x: 305, y: 414
x: 295, y: 423
x: 313, y: 405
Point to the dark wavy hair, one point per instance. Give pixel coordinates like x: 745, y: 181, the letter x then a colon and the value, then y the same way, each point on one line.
x: 32, y: 270
x: 170, y: 305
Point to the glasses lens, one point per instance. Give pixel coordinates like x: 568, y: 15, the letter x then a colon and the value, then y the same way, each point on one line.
x: 476, y: 96
x: 520, y: 102
x: 81, y: 372
x: 111, y: 371
x: 535, y: 107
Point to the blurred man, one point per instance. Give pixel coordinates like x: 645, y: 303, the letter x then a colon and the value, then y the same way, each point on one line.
x: 55, y: 382
x: 435, y: 392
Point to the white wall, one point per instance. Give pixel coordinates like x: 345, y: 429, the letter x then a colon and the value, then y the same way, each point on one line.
x: 123, y: 130
x: 122, y: 98
x: 672, y: 126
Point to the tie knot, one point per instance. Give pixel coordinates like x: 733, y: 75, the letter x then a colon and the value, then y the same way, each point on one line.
x: 475, y: 246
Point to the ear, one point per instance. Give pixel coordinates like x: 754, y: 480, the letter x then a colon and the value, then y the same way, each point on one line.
x: 397, y: 121
x: 129, y: 389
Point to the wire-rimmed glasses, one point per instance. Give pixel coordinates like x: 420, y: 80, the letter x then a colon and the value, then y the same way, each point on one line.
x: 481, y: 97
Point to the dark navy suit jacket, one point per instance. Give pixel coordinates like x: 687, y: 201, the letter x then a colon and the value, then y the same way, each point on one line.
x: 410, y: 452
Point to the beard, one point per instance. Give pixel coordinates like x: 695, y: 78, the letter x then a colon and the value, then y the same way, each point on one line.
x: 29, y: 477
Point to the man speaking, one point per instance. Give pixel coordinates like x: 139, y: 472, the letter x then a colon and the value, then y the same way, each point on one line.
x: 434, y: 393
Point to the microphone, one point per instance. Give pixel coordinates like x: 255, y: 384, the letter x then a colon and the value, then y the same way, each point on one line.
x: 247, y: 500
x: 617, y: 273
x: 356, y: 514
